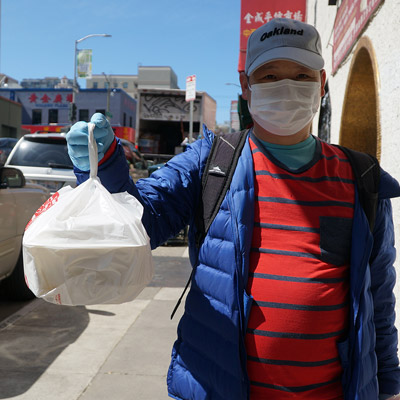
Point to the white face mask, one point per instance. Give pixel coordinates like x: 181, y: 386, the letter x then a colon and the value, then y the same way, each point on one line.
x: 284, y: 107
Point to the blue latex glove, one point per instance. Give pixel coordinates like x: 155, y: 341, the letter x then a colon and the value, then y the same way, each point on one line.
x: 78, y: 138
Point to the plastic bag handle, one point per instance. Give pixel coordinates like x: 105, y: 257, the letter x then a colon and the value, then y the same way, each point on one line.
x: 93, y: 157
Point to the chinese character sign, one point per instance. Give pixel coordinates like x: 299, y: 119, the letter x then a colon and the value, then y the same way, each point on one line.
x: 47, y: 100
x: 350, y: 20
x: 255, y: 13
x: 84, y: 63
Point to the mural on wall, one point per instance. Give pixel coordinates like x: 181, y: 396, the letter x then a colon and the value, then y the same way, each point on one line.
x: 167, y: 108
x: 350, y: 21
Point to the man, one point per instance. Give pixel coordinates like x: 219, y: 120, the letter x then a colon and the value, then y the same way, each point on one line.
x: 291, y: 296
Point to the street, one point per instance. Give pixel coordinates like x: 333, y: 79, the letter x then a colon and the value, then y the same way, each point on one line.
x: 95, y: 352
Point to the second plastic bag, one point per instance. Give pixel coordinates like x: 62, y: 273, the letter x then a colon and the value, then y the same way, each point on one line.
x: 87, y: 246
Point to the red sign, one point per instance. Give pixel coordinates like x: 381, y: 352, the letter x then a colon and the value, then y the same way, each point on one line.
x: 57, y: 98
x: 255, y: 13
x: 125, y: 132
x: 43, y: 128
x: 350, y: 20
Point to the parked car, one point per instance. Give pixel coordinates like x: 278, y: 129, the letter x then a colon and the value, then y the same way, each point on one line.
x: 6, y: 145
x: 138, y: 165
x: 44, y: 160
x: 18, y: 203
x: 155, y: 167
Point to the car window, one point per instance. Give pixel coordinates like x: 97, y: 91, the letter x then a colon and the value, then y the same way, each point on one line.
x: 7, y: 143
x: 42, y: 152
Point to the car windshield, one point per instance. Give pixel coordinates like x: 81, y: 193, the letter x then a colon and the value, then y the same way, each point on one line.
x: 42, y: 152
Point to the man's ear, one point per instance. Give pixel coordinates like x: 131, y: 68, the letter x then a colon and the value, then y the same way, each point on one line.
x: 244, y: 84
x: 323, y: 80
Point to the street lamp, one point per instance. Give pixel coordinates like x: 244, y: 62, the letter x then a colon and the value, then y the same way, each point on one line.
x: 108, y: 115
x: 230, y: 110
x: 75, y: 85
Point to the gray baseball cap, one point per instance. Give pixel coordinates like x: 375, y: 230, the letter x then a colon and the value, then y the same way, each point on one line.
x: 284, y: 39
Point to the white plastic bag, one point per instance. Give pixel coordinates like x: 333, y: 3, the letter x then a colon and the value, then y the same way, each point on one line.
x: 87, y: 246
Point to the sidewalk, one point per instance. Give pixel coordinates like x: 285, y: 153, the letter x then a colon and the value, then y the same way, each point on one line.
x: 108, y: 352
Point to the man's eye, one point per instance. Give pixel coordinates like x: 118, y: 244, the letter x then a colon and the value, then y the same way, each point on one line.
x: 270, y: 77
x: 302, y: 76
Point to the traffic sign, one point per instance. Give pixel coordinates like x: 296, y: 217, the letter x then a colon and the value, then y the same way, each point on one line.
x: 190, y: 88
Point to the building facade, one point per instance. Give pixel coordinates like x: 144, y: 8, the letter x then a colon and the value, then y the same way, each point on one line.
x: 10, y: 118
x: 234, y: 123
x: 163, y: 119
x: 49, y: 109
x: 8, y: 82
x: 47, y: 83
x: 46, y: 104
x: 147, y: 78
x: 360, y: 47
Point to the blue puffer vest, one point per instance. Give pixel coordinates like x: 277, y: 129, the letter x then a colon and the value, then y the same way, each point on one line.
x: 209, y: 355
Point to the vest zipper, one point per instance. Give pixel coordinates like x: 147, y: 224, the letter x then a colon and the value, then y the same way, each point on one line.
x: 239, y: 294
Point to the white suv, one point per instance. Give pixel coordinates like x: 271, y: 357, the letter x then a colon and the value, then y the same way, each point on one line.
x: 18, y: 202
x: 44, y: 160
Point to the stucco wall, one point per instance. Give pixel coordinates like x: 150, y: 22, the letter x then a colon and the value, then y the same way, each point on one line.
x: 385, y: 36
x: 10, y: 118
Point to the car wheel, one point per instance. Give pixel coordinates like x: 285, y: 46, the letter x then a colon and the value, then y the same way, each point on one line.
x: 14, y: 287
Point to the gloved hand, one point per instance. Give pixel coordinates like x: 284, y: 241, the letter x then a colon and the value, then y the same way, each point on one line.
x: 78, y: 138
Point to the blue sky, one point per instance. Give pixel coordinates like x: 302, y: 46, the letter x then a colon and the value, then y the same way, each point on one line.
x: 198, y: 37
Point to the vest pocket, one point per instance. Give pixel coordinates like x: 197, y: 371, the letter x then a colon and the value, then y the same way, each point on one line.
x: 335, y: 239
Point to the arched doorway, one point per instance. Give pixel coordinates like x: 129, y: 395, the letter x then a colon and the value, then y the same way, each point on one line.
x: 360, y: 125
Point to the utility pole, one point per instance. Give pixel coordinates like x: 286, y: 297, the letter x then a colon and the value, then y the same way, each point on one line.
x: 75, y: 88
x: 190, y: 97
x: 108, y: 114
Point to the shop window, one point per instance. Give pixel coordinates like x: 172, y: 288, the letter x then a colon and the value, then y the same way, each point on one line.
x: 84, y: 115
x: 130, y: 122
x: 124, y: 123
x: 95, y: 85
x: 36, y: 117
x: 53, y: 116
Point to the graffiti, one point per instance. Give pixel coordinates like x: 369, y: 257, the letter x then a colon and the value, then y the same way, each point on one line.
x: 166, y: 107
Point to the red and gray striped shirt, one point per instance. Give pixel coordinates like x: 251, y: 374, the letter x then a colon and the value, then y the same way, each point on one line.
x: 299, y: 272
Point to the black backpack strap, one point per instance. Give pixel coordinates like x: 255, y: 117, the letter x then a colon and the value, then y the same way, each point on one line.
x: 216, y: 179
x: 366, y: 170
